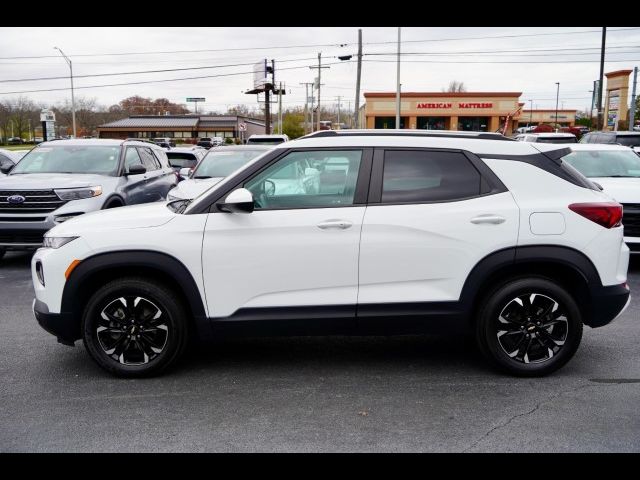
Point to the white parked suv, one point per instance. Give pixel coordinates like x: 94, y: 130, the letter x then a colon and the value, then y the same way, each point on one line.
x: 386, y: 232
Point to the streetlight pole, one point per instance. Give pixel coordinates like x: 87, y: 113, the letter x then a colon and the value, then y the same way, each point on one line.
x: 398, y: 84
x: 530, y: 113
x: 73, y: 102
x: 557, y: 97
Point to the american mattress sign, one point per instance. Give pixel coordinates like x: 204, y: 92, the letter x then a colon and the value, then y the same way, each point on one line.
x: 450, y: 105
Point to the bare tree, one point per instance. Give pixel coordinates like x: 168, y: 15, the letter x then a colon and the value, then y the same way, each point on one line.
x: 455, y: 86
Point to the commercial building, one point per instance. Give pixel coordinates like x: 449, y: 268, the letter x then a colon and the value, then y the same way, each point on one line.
x: 470, y: 111
x: 565, y: 118
x: 182, y: 127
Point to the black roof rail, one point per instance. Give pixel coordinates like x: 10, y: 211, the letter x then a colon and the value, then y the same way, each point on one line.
x: 140, y: 140
x: 409, y: 133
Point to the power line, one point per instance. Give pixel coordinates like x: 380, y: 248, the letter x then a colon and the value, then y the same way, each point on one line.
x: 508, y: 61
x: 146, y: 71
x: 335, y: 44
x: 157, y: 81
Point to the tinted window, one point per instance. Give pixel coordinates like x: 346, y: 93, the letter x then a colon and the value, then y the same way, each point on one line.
x: 629, y: 140
x: 307, y: 179
x: 418, y: 176
x: 182, y: 160
x: 148, y: 160
x: 557, y: 140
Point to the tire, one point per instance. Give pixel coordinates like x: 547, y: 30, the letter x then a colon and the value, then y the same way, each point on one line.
x: 112, y: 204
x: 529, y: 326
x: 140, y: 348
x: 2, y: 252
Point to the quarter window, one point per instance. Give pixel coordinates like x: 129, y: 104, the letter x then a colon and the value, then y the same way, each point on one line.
x: 307, y: 179
x: 148, y: 160
x: 412, y: 176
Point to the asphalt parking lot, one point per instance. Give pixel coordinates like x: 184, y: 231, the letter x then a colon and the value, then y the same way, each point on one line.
x: 336, y: 394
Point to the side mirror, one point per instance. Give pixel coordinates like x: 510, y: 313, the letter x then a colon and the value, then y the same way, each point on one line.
x: 238, y: 201
x: 137, y: 169
x: 598, y: 185
x: 185, y: 172
x: 6, y: 168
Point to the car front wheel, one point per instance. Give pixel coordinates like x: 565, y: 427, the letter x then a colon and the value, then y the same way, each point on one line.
x: 529, y: 326
x: 134, y: 327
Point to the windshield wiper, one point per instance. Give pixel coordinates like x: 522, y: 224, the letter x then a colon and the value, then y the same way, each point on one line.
x: 623, y: 176
x: 203, y: 176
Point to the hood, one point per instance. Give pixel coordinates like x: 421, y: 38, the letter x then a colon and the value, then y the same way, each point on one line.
x: 135, y: 216
x: 624, y: 190
x: 46, y: 181
x: 193, y: 187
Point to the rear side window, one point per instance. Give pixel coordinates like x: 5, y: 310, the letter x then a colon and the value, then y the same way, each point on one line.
x: 423, y: 176
x: 162, y: 157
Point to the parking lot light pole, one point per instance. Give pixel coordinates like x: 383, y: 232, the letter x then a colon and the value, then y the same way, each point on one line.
x: 557, y: 96
x: 530, y: 113
x: 73, y: 102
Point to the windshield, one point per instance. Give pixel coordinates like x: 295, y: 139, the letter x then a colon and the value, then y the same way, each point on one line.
x: 557, y: 140
x: 629, y: 140
x: 222, y: 163
x: 605, y: 163
x: 265, y: 141
x: 96, y: 159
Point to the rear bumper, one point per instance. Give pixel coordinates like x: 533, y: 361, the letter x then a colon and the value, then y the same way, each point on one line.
x: 59, y: 324
x: 607, y: 304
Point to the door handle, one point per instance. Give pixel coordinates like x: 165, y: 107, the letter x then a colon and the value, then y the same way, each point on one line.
x: 488, y: 219
x: 338, y: 224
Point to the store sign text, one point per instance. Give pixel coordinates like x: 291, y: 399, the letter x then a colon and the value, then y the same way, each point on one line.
x: 449, y: 105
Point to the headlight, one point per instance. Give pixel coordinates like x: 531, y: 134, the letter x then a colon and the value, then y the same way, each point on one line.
x: 56, y: 242
x: 78, y: 193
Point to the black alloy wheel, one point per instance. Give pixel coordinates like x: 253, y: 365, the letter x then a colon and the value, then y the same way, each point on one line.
x: 529, y: 326
x: 135, y: 327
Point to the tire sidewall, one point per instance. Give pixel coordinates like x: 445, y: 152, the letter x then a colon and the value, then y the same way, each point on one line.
x: 157, y: 294
x: 486, y: 327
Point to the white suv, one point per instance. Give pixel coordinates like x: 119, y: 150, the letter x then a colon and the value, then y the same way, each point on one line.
x: 354, y: 232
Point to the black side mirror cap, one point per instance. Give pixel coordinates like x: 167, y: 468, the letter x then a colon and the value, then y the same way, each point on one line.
x: 137, y: 169
x: 6, y: 168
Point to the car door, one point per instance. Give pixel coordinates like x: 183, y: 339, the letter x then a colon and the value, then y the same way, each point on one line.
x: 168, y: 177
x: 134, y: 188
x: 155, y: 190
x: 297, y: 252
x: 432, y: 216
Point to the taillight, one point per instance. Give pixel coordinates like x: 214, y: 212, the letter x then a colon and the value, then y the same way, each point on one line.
x: 607, y: 214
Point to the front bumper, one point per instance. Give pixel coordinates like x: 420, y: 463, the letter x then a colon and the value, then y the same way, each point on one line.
x: 607, y: 303
x: 59, y: 324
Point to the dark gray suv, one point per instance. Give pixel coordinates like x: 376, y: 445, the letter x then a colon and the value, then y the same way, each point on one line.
x: 62, y: 179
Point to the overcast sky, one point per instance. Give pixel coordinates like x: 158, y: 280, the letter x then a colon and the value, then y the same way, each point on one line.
x: 575, y: 65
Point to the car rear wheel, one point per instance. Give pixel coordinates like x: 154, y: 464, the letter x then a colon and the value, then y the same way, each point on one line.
x: 134, y: 327
x: 529, y: 326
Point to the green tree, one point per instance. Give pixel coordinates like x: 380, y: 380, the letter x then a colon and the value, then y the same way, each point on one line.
x: 293, y: 124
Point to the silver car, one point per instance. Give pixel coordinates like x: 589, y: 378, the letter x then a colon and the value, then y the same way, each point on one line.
x: 59, y: 180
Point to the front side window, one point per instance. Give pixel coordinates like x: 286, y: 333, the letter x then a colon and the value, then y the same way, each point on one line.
x: 148, y: 160
x: 308, y: 179
x: 101, y: 160
x: 131, y: 158
x: 413, y: 176
x: 605, y: 163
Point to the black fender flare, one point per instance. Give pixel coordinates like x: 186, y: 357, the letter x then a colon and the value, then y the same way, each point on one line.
x: 115, y: 196
x: 159, y: 261
x: 512, y: 256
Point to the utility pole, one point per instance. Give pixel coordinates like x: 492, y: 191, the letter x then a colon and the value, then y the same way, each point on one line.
x: 357, y: 108
x: 319, y: 67
x: 593, y: 104
x: 557, y: 96
x: 350, y: 116
x: 398, y: 84
x: 280, y: 109
x: 530, y: 113
x: 339, y: 98
x: 306, y: 106
x: 73, y: 102
x: 632, y: 110
x: 604, y: 38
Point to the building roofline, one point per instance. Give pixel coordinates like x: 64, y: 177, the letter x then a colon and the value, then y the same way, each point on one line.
x: 442, y: 94
x: 618, y: 73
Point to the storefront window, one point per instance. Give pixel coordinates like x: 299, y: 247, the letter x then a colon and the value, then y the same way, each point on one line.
x: 431, y: 123
x: 390, y: 122
x: 473, y: 124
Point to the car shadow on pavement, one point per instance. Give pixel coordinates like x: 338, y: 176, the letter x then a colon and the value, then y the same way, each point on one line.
x: 16, y: 259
